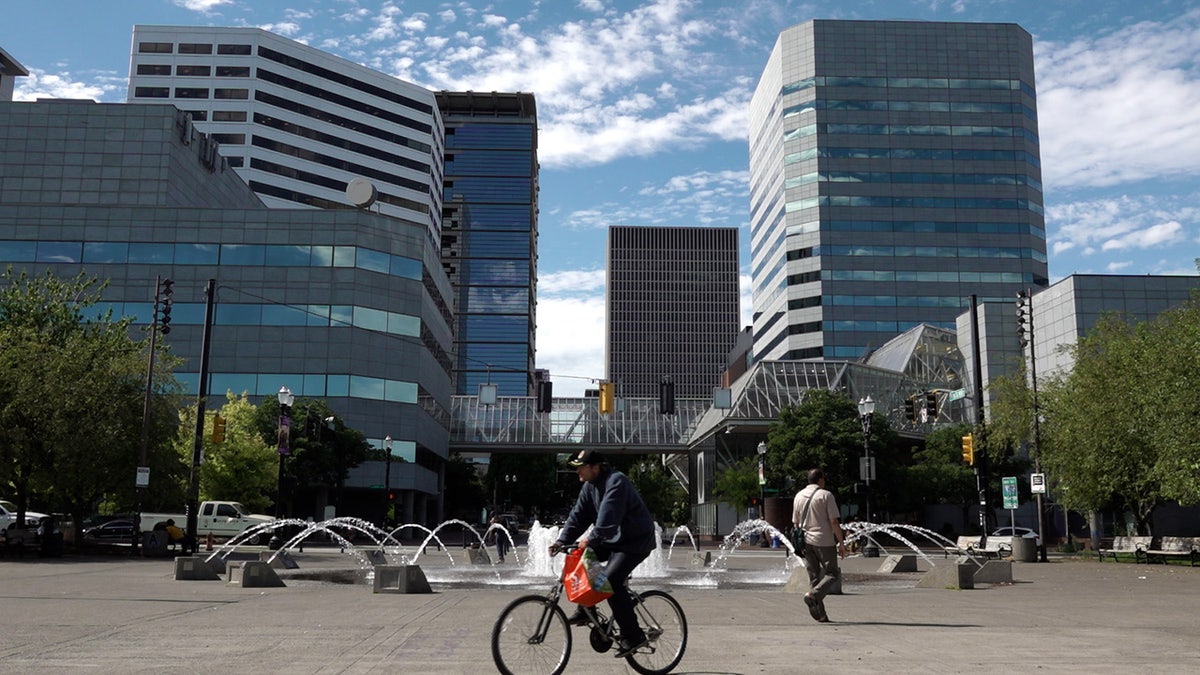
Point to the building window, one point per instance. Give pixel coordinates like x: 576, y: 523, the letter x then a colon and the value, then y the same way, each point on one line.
x: 194, y: 48
x: 230, y: 139
x: 155, y: 47
x: 239, y: 50
x: 233, y: 71
x: 153, y: 69
x: 198, y: 115
x: 193, y: 71
x: 229, y: 116
x: 191, y: 92
x: 240, y: 94
x: 151, y: 92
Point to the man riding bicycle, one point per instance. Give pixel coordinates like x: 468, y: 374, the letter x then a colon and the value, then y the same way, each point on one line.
x: 622, y: 534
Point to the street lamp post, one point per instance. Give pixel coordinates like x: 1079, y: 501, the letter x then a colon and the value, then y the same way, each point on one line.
x: 866, y: 408
x: 286, y: 399
x: 387, y: 479
x: 510, y: 481
x: 762, y: 479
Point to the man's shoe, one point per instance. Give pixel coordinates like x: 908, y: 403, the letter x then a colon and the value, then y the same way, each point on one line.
x: 579, y: 618
x: 814, y: 607
x: 632, y: 645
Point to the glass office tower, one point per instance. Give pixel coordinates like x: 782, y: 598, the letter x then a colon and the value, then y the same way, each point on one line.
x: 894, y: 173
x: 489, y: 237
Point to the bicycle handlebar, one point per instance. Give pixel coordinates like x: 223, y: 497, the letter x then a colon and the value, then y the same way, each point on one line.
x: 555, y: 549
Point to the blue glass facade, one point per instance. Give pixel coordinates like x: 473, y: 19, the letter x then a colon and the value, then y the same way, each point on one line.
x: 489, y: 237
x: 895, y: 172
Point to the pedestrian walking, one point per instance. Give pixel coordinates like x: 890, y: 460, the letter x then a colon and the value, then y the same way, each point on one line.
x: 815, y: 510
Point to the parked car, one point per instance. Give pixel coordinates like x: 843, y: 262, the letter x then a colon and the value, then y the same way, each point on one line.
x: 1017, y: 532
x: 113, y: 529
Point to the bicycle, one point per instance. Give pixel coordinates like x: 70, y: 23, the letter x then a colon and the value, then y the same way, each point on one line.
x: 532, y: 634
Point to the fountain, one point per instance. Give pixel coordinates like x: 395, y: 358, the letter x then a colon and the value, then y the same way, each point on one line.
x: 532, y: 566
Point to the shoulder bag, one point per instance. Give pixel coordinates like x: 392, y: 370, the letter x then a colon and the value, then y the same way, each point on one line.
x: 798, y: 530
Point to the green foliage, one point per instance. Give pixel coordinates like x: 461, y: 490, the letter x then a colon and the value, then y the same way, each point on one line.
x: 738, y: 484
x: 242, y: 468
x: 825, y: 431
x: 322, y: 450
x: 938, y: 474
x: 664, y: 496
x: 72, y: 386
x: 1118, y: 430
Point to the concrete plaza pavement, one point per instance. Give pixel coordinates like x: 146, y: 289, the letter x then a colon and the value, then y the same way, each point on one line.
x: 110, y: 614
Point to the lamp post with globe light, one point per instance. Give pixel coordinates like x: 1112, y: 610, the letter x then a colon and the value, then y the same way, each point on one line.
x: 866, y: 408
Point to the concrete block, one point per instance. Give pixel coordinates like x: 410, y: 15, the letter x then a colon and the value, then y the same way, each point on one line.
x: 254, y: 574
x: 281, y: 561
x: 408, y: 579
x: 898, y: 563
x: 375, y: 556
x: 478, y: 556
x: 701, y: 559
x: 193, y: 568
x: 957, y: 575
x: 994, y: 572
x: 798, y: 583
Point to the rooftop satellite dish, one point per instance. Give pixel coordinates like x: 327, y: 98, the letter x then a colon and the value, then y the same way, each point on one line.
x: 361, y: 192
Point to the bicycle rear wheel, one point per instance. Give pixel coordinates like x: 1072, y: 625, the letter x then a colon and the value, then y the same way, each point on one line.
x: 531, y: 636
x: 665, y: 625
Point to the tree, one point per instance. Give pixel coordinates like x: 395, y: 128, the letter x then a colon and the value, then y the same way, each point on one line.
x: 464, y: 494
x: 242, y: 468
x: 1100, y: 436
x: 738, y: 484
x: 72, y: 385
x: 825, y: 431
x: 664, y: 496
x: 323, y: 450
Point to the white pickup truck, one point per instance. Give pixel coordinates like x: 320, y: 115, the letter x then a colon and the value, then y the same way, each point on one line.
x: 220, y: 519
x: 8, y: 515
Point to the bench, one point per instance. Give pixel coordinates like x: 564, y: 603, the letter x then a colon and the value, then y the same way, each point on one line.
x: 1172, y: 547
x: 1132, y: 546
x: 996, y: 546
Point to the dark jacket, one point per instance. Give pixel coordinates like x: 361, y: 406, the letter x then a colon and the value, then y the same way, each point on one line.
x: 611, y: 503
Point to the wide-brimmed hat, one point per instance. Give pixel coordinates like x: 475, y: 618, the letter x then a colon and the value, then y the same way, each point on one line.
x: 586, y: 457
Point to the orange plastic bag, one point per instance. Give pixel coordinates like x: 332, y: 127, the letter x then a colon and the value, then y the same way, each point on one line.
x: 581, y: 588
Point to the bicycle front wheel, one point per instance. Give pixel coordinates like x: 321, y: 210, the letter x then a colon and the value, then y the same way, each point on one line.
x: 665, y: 625
x: 531, y: 636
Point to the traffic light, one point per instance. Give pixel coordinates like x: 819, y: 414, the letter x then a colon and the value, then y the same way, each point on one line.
x: 545, y: 393
x: 968, y: 449
x: 391, y: 496
x: 931, y: 405
x: 666, y: 397
x: 218, y: 434
x: 910, y: 409
x: 164, y: 314
x: 608, y: 397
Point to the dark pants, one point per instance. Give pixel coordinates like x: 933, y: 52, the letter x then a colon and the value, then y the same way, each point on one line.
x: 620, y: 566
x: 821, y: 562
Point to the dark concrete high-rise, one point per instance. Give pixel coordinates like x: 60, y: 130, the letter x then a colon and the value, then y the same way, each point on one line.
x: 671, y: 308
x: 895, y: 172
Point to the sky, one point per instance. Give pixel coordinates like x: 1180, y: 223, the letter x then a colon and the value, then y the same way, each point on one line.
x: 643, y: 111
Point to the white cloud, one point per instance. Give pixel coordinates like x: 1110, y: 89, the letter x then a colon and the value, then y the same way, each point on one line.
x: 40, y: 84
x: 285, y: 28
x: 202, y: 6
x: 591, y: 5
x: 1115, y: 267
x: 570, y: 330
x: 1121, y: 107
x: 1121, y: 223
